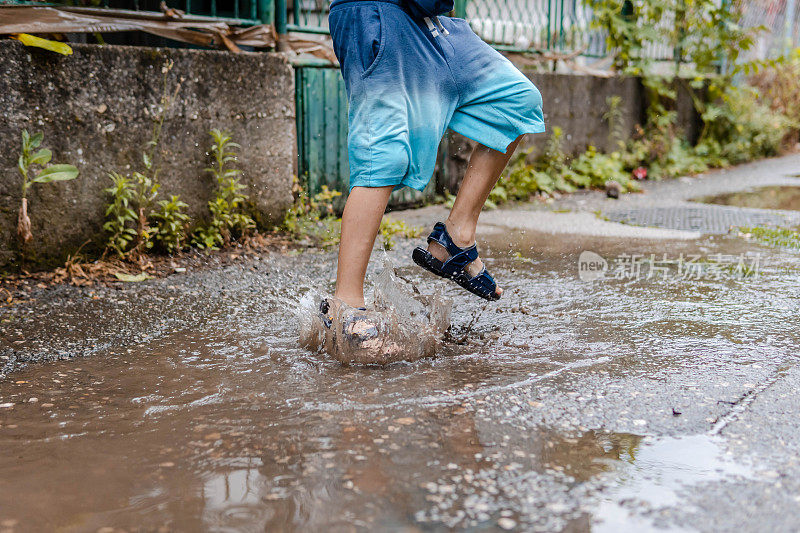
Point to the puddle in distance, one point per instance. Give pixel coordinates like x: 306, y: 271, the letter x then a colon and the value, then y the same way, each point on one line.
x: 772, y: 197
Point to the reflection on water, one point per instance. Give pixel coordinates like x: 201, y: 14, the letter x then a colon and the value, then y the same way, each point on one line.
x: 663, y: 469
x: 233, y: 427
x: 771, y: 197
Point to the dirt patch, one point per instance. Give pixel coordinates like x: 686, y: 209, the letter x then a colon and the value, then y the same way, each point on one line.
x: 77, y: 271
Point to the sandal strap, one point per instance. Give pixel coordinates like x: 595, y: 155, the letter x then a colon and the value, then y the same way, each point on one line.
x: 459, y: 257
x: 484, y: 282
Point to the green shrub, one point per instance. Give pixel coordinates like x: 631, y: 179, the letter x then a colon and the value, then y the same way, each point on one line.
x: 171, y: 223
x: 120, y: 217
x: 313, y: 217
x: 739, y: 128
x: 596, y: 169
x: 229, y: 218
x: 778, y: 85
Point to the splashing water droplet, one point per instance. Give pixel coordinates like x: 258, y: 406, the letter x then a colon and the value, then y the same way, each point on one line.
x: 401, y: 324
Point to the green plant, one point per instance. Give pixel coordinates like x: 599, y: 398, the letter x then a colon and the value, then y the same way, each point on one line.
x: 145, y: 192
x: 615, y: 120
x: 779, y: 237
x: 229, y: 220
x: 391, y: 228
x: 739, y: 128
x: 595, y: 169
x: 778, y: 84
x: 139, y: 192
x: 120, y: 218
x: 27, y: 164
x: 552, y: 173
x: 707, y: 40
x: 171, y: 223
x: 312, y: 217
x: 554, y: 159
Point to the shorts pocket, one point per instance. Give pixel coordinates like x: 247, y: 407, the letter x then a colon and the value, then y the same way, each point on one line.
x: 358, y: 37
x: 371, y: 38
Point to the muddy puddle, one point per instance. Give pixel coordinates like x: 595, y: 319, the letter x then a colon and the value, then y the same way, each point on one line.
x: 569, y: 405
x: 782, y: 197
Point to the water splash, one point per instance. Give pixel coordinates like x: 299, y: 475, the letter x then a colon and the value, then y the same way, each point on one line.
x: 401, y: 324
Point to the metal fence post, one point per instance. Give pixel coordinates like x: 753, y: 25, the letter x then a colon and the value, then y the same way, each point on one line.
x: 460, y: 9
x: 266, y: 11
x: 280, y: 23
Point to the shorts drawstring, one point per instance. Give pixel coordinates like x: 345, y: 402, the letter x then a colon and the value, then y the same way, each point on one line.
x: 432, y: 26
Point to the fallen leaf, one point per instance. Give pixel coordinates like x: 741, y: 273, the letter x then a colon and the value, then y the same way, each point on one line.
x: 132, y: 278
x: 38, y: 42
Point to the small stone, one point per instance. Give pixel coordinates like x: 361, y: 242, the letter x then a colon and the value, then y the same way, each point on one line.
x: 406, y: 421
x: 168, y: 464
x: 507, y: 523
x: 180, y: 270
x: 613, y: 189
x: 212, y: 436
x: 6, y: 405
x: 33, y: 400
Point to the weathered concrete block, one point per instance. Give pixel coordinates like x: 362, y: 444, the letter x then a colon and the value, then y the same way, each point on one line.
x: 96, y: 109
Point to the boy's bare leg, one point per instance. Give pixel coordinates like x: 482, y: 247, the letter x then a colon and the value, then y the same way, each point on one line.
x: 485, y: 166
x: 360, y: 223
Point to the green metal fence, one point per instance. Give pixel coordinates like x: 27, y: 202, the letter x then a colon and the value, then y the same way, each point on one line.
x: 246, y: 12
x: 321, y: 127
x: 235, y: 12
x: 321, y: 105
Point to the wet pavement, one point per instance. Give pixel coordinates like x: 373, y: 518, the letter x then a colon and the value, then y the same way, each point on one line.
x: 660, y: 396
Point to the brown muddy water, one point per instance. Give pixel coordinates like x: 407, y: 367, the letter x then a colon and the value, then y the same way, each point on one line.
x: 773, y: 197
x: 569, y: 405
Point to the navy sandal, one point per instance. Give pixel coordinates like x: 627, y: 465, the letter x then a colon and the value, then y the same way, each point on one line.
x: 454, y: 267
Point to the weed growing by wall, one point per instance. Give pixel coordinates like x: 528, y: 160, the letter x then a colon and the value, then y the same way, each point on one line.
x: 34, y: 167
x: 229, y: 219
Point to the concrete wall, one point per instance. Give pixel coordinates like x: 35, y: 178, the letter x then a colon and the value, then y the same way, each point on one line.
x: 576, y: 103
x: 96, y: 111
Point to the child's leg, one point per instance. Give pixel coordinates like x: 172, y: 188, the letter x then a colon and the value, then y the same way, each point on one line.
x: 360, y: 223
x: 485, y: 166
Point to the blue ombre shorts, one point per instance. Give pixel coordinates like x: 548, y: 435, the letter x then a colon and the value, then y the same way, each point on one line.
x: 408, y: 80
